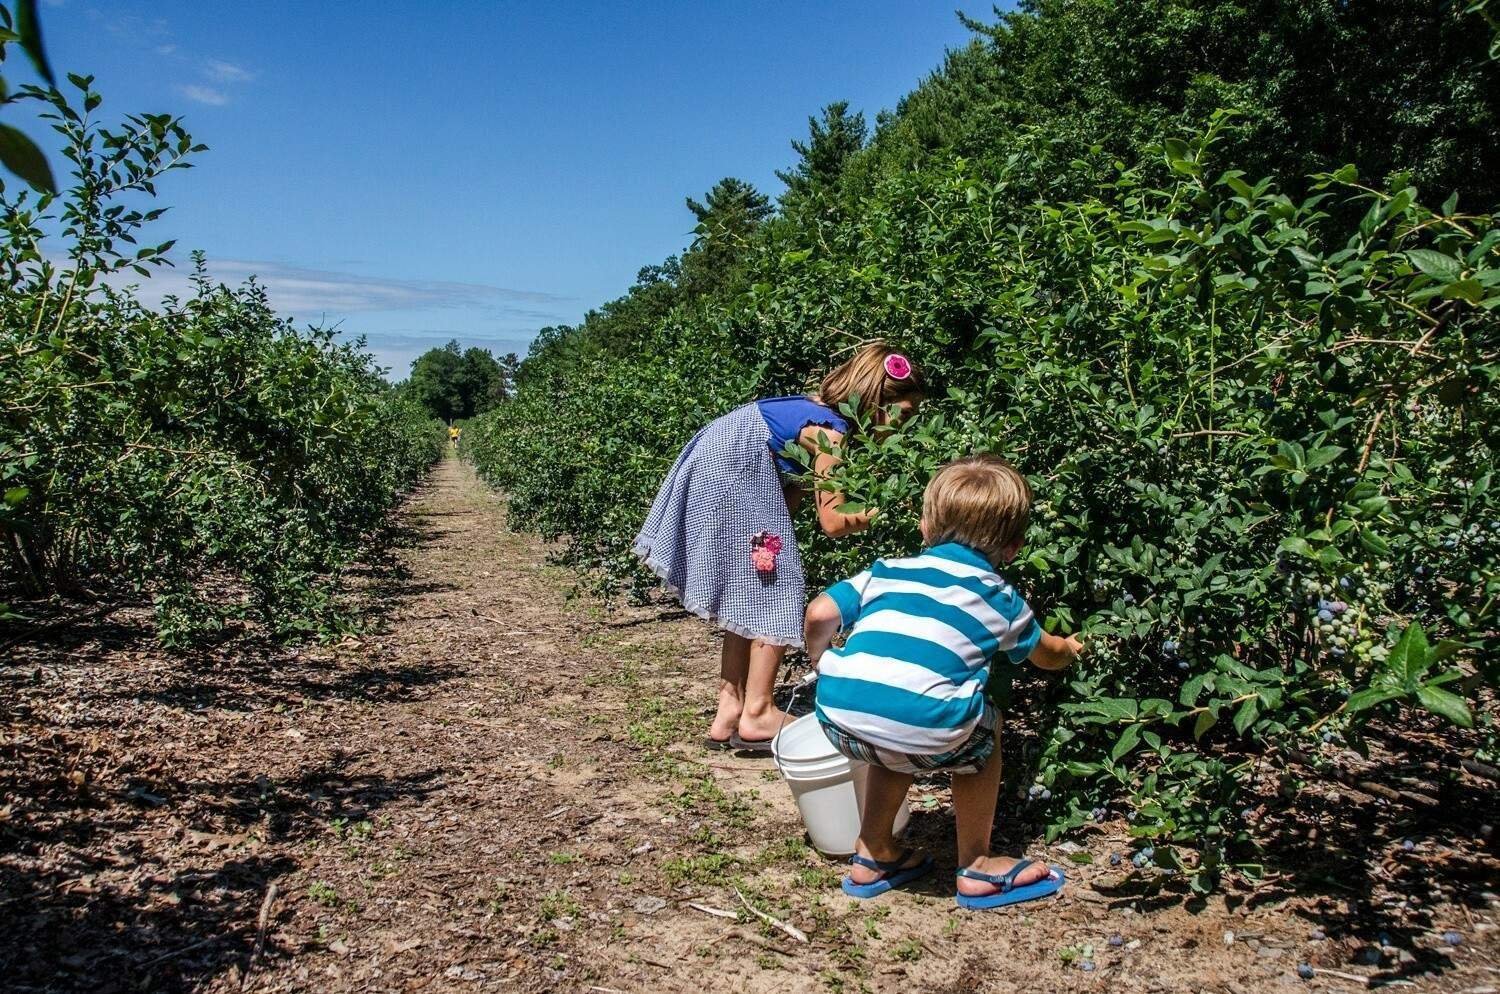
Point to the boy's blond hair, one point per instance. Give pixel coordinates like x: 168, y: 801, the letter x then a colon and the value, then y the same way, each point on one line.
x: 982, y: 501
x: 865, y: 374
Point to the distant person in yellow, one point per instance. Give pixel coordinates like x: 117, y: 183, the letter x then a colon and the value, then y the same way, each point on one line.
x: 454, y: 431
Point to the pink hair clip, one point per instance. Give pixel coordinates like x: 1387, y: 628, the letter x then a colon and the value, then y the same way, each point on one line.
x: 897, y: 366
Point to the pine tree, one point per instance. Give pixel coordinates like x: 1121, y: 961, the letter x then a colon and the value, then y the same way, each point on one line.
x: 831, y: 143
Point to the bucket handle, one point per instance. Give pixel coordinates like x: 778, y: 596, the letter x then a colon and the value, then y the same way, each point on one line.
x: 808, y: 679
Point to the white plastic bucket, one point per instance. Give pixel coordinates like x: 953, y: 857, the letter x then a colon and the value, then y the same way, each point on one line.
x: 828, y: 787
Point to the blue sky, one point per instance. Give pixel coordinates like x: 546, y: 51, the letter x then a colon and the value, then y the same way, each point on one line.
x: 472, y: 170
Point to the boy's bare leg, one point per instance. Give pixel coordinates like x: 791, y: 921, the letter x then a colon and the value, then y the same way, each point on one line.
x: 884, y: 792
x: 734, y: 667
x: 761, y: 718
x: 974, y: 798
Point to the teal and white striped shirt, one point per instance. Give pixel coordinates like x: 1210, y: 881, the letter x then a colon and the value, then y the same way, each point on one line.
x: 922, y: 631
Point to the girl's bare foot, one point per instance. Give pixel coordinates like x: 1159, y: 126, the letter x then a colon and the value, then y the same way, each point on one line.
x: 759, y: 727
x: 999, y: 866
x: 723, y: 725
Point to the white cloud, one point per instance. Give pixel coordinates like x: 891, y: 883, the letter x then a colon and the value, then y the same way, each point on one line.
x: 312, y: 293
x: 226, y: 72
x: 205, y: 95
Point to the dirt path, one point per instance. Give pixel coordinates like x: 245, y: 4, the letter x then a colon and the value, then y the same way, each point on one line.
x: 501, y: 791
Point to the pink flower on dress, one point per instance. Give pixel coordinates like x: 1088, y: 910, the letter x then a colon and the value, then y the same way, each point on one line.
x: 764, y: 548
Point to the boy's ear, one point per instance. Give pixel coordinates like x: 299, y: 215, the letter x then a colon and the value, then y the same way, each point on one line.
x: 926, y: 530
x: 1009, y: 552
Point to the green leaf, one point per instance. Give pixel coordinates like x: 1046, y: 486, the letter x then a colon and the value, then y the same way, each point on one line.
x: 1471, y: 290
x: 1188, y: 696
x: 1081, y: 858
x: 1205, y: 721
x: 20, y: 155
x: 1324, y: 455
x: 1409, y: 659
x: 1126, y: 742
x: 1246, y: 715
x: 1110, y: 707
x: 1446, y: 703
x: 29, y: 31
x: 15, y: 495
x: 1294, y: 543
x: 1436, y: 264
x: 1370, y: 697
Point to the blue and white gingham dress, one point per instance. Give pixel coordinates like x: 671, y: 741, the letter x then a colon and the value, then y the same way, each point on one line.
x: 723, y: 489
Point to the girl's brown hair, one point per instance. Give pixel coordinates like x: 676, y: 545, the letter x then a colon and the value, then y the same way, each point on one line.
x: 865, y: 374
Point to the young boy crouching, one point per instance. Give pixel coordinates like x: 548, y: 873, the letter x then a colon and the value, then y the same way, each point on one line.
x: 906, y: 692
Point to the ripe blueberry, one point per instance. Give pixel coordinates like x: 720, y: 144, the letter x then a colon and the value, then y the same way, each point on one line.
x: 1305, y: 971
x: 1452, y: 938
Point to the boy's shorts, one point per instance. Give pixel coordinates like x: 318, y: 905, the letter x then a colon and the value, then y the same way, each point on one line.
x: 969, y: 757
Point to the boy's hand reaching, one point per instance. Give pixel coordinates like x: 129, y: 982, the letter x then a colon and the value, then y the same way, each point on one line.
x: 1055, y: 652
x: 1075, y: 646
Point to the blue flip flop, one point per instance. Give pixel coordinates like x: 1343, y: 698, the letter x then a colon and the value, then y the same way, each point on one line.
x: 896, y: 874
x: 1009, y: 893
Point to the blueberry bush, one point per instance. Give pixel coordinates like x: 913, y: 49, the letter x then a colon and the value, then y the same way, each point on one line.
x: 1262, y: 446
x: 1258, y: 413
x: 206, y: 454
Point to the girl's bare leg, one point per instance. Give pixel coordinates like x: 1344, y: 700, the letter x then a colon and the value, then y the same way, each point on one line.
x: 734, y: 668
x: 975, y: 796
x: 761, y: 718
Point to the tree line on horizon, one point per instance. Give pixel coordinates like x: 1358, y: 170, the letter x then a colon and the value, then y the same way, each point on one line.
x: 454, y: 383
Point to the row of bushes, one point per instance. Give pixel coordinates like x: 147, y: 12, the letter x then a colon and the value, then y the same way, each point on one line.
x: 206, y: 453
x: 1260, y: 426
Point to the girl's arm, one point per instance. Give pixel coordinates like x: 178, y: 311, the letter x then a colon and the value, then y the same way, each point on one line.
x: 834, y: 524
